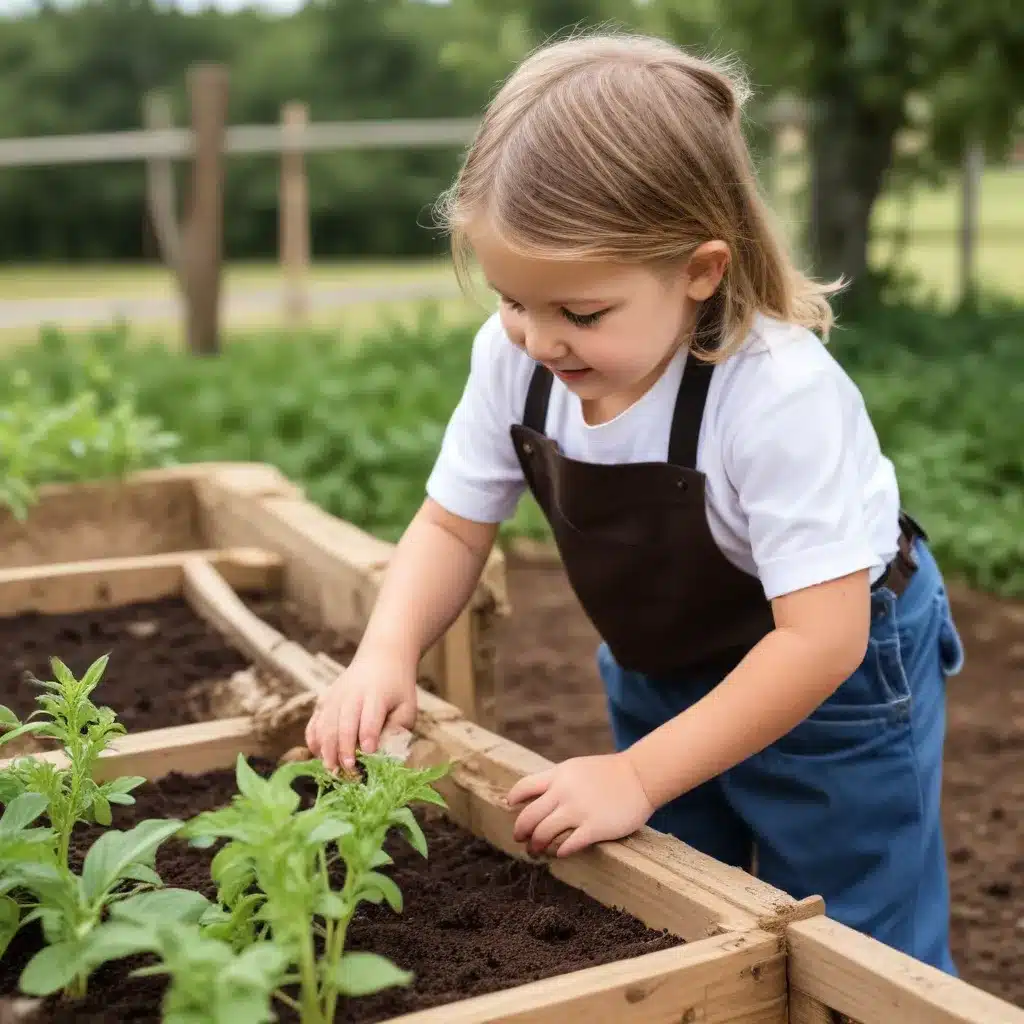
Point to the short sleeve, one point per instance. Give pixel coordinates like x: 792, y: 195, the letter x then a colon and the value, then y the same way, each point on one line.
x: 477, y: 475
x: 792, y: 463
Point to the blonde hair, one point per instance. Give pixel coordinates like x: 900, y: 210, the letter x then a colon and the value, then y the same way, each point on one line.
x: 624, y: 148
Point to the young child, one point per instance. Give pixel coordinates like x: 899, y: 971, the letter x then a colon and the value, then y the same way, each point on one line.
x: 776, y: 635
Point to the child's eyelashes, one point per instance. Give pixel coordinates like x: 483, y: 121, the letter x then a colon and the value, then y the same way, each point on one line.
x: 583, y: 319
x: 576, y: 319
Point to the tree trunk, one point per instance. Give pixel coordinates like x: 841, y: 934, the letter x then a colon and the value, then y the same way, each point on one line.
x: 851, y: 148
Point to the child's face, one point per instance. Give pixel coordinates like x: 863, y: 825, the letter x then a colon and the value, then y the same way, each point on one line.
x: 606, y: 330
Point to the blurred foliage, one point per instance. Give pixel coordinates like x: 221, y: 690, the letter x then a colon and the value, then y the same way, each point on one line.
x: 358, y: 422
x: 945, y: 67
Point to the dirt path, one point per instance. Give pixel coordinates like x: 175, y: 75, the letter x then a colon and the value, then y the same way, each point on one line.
x: 80, y: 311
x: 552, y: 701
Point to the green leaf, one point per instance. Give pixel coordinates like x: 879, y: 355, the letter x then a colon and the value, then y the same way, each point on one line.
x: 376, y: 883
x: 22, y: 811
x: 381, y: 859
x: 8, y: 717
x: 331, y: 906
x: 250, y: 784
x: 24, y: 730
x: 115, y: 940
x: 115, y: 851
x: 141, y: 873
x: 94, y: 673
x: 182, y: 905
x: 363, y: 974
x: 329, y: 830
x: 405, y: 819
x: 10, y: 921
x: 52, y: 969
x: 101, y: 810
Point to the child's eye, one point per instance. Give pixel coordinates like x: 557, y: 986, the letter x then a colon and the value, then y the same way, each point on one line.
x: 583, y: 319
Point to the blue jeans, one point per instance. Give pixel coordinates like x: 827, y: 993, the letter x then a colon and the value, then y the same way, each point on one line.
x: 846, y: 805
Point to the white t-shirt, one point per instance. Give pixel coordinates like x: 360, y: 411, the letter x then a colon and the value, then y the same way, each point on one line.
x: 798, y: 491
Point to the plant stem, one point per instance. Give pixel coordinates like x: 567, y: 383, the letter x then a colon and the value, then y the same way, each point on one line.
x: 293, y: 1004
x: 309, y: 1010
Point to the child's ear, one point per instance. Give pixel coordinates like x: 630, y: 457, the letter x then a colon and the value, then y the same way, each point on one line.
x: 705, y: 269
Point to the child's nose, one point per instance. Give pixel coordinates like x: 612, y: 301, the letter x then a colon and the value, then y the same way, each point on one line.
x: 543, y: 344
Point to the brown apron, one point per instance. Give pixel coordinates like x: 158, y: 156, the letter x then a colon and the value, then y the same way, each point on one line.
x: 637, y: 548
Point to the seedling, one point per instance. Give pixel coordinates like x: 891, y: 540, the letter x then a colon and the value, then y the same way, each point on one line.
x: 34, y: 871
x: 278, y: 929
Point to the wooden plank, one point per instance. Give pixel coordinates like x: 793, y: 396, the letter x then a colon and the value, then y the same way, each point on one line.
x: 733, y: 979
x: 148, y: 512
x: 871, y: 983
x: 66, y: 587
x: 189, y: 749
x: 334, y: 570
x: 502, y: 763
x: 485, y: 766
x: 773, y: 908
x: 142, y: 515
x: 212, y: 598
x: 460, y: 678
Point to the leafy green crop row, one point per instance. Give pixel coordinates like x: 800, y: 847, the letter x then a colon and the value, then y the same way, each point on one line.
x: 277, y: 928
x: 359, y: 424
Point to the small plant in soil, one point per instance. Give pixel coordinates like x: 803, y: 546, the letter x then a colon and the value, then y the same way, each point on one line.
x: 277, y: 930
x: 36, y: 880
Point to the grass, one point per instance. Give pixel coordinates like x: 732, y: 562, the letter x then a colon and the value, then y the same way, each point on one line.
x: 931, y: 218
x: 65, y: 281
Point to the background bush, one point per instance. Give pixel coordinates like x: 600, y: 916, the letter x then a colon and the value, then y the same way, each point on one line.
x: 358, y: 422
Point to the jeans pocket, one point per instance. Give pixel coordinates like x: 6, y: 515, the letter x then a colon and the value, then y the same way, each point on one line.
x: 837, y: 732
x: 861, y: 713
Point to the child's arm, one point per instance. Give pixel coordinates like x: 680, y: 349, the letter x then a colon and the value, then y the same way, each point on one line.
x: 434, y: 570
x: 819, y: 640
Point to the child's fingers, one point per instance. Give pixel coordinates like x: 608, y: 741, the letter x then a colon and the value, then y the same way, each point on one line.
x: 371, y: 723
x: 313, y: 733
x: 557, y: 822
x: 529, y: 787
x: 579, y: 839
x: 348, y: 731
x: 532, y: 815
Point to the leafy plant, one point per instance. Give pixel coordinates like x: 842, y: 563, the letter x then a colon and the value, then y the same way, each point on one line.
x: 34, y: 871
x: 84, y: 731
x: 278, y: 929
x: 82, y: 438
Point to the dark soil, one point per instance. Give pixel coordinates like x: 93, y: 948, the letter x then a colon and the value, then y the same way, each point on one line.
x: 163, y: 656
x: 474, y: 920
x: 552, y: 701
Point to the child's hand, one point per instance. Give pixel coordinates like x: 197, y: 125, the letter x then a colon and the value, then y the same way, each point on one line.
x: 594, y: 798
x: 375, y: 691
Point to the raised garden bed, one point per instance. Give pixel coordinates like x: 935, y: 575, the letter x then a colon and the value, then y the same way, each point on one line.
x: 86, y: 547
x: 612, y: 932
x: 641, y: 930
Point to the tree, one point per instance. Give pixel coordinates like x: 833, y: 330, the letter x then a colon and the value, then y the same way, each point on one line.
x: 871, y: 71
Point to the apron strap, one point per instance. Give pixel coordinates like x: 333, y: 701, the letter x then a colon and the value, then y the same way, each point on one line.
x: 535, y: 413
x: 689, y: 412
x: 686, y: 418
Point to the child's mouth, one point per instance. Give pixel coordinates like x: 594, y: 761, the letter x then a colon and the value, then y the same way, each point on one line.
x: 571, y: 376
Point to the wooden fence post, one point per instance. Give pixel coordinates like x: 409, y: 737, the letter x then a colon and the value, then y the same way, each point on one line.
x: 204, y: 229
x: 160, y: 192
x: 293, y: 215
x: 973, y: 168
